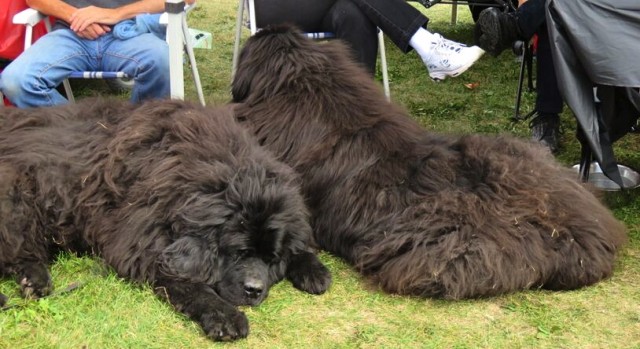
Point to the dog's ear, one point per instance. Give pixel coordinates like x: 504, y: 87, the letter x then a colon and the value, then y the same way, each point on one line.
x: 190, y: 258
x: 241, y: 83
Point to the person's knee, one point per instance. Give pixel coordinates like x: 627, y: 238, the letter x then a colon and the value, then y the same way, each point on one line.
x: 152, y: 79
x: 14, y: 82
x: 158, y: 60
x: 347, y: 16
x: 154, y: 70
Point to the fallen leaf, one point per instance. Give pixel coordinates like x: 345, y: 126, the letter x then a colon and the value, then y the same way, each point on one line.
x: 472, y: 85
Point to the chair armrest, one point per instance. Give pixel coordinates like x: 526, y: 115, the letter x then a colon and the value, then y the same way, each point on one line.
x: 164, y: 18
x: 28, y: 17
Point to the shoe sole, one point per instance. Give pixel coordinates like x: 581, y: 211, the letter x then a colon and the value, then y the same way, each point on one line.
x: 477, y: 51
x: 490, y: 28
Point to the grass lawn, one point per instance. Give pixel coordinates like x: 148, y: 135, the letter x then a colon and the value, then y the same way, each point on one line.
x: 108, y: 312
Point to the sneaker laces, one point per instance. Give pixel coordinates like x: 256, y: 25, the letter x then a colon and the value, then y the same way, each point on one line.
x: 442, y: 43
x: 442, y: 49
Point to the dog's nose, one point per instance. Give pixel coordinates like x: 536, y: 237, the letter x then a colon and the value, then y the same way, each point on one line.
x: 253, y: 288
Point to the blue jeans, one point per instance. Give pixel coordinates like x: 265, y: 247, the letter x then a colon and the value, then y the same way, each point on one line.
x: 31, y: 79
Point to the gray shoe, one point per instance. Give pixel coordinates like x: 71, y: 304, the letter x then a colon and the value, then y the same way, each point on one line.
x: 545, y: 129
x: 495, y: 31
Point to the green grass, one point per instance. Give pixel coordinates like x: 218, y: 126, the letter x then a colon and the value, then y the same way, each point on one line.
x: 108, y: 312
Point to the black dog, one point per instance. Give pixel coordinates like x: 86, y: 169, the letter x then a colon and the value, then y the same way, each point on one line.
x: 420, y: 213
x: 166, y: 192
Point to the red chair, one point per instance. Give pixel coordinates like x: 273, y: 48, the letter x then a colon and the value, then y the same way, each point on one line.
x: 12, y: 37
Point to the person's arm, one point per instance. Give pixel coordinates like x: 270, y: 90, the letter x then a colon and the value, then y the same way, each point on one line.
x: 86, y: 16
x: 83, y: 17
x: 55, y: 8
x: 64, y: 12
x: 91, y: 22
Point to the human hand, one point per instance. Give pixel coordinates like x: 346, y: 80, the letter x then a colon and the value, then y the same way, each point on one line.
x: 84, y: 17
x: 94, y: 31
x: 520, y: 2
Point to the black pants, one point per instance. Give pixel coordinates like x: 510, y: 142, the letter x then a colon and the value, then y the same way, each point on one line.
x: 397, y: 19
x: 353, y: 21
x: 531, y: 20
x: 548, y: 98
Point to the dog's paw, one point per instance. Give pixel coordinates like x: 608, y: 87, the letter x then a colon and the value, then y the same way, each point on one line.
x: 308, y: 274
x: 3, y: 300
x: 34, y: 281
x: 225, y: 325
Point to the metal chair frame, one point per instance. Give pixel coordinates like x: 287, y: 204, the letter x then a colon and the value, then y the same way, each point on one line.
x: 524, y: 51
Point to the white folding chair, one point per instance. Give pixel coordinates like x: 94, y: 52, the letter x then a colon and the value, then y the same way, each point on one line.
x: 178, y: 39
x: 248, y: 18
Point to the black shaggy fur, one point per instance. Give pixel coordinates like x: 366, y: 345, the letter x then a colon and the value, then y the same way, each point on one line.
x: 167, y: 193
x: 419, y: 213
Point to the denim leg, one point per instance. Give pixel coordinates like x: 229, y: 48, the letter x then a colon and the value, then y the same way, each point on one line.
x: 31, y: 79
x: 146, y: 59
x: 548, y: 98
x: 352, y: 26
x: 398, y: 19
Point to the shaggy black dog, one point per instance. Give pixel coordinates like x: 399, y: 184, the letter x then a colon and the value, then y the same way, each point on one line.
x: 167, y: 193
x: 420, y: 213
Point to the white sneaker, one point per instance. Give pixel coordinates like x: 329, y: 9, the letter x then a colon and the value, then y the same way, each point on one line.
x: 449, y: 58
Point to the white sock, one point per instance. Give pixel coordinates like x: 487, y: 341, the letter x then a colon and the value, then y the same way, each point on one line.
x: 422, y: 41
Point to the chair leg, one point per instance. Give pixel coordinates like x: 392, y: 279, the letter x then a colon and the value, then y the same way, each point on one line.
x: 586, y: 157
x: 529, y: 62
x: 383, y: 62
x: 236, y: 46
x: 188, y: 46
x: 175, y: 40
x: 526, y: 64
x: 454, y: 12
x: 68, y: 91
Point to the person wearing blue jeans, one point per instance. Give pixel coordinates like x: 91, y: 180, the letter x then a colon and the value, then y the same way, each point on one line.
x: 496, y: 31
x: 356, y: 23
x: 82, y: 40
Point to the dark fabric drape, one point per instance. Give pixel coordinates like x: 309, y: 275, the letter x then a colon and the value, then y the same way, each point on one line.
x: 595, y: 44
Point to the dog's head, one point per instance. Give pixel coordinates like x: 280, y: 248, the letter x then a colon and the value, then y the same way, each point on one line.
x: 240, y: 236
x: 279, y: 59
x: 268, y: 224
x: 233, y: 215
